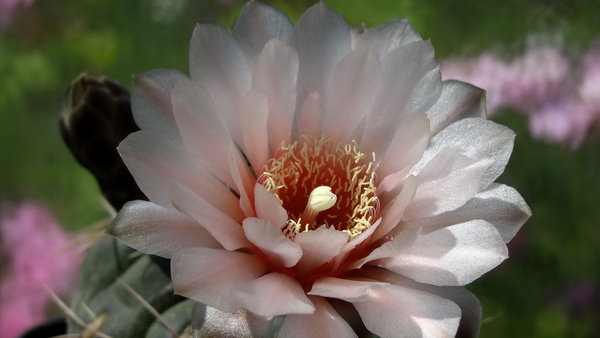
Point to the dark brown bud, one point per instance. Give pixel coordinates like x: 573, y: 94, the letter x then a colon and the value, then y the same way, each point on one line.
x: 96, y: 116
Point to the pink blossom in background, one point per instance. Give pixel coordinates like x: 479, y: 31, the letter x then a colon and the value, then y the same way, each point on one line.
x: 561, y: 96
x: 9, y: 7
x: 537, y: 77
x: 37, y: 256
x: 589, y: 87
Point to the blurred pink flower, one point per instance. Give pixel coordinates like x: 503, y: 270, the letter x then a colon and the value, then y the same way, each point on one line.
x: 563, y: 102
x: 9, y: 7
x: 319, y: 172
x: 34, y: 244
x: 588, y: 89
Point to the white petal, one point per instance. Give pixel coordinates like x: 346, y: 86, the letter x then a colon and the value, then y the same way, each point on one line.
x: 453, y: 256
x: 447, y: 182
x: 202, y: 128
x: 396, y: 311
x: 272, y: 295
x: 155, y: 162
x: 319, y: 247
x: 268, y: 237
x: 218, y: 63
x: 499, y: 204
x: 458, y: 100
x: 155, y: 230
x: 310, y: 114
x: 322, y: 39
x: 276, y: 73
x: 258, y: 23
x: 345, y: 289
x: 325, y: 322
x: 253, y: 116
x: 394, y: 210
x: 401, y: 243
x: 210, y: 322
x: 407, y: 146
x: 476, y: 138
x: 412, y: 84
x: 388, y: 36
x: 357, y: 81
x: 244, y: 181
x: 151, y: 101
x: 357, y: 242
x: 222, y: 227
x: 470, y: 319
x: 210, y: 275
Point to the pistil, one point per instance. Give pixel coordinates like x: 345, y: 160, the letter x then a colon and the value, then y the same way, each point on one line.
x: 320, y: 199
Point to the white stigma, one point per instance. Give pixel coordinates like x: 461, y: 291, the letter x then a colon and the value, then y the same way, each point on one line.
x: 320, y: 199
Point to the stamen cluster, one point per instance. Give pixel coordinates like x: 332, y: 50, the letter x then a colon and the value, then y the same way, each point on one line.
x: 313, y: 161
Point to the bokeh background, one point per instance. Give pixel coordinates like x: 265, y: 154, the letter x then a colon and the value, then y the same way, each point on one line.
x: 550, y: 287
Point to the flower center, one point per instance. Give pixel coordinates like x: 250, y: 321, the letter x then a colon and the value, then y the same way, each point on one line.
x: 319, y: 183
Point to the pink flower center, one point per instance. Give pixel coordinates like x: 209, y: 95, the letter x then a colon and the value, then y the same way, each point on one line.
x: 340, y: 179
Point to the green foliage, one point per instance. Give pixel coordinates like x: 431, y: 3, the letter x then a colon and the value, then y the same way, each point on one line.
x: 109, y: 270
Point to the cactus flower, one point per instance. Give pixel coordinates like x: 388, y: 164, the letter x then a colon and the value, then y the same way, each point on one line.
x: 321, y: 177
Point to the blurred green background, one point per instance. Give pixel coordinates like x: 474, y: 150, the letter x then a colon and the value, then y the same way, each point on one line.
x: 550, y: 285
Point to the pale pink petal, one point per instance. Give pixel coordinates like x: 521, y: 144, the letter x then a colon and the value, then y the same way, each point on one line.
x: 394, y: 210
x: 258, y: 23
x: 322, y: 39
x: 345, y: 254
x: 244, y: 181
x: 155, y: 162
x: 453, y: 256
x: 310, y: 114
x: 223, y: 228
x: 272, y: 295
x: 268, y: 207
x: 319, y: 247
x: 476, y: 138
x: 388, y: 36
x: 412, y: 84
x: 458, y: 100
x: 210, y: 322
x: 209, y: 275
x: 268, y: 238
x: 253, y: 117
x: 407, y: 146
x: 470, y: 319
x: 276, y: 73
x: 151, y: 101
x: 447, y: 182
x: 358, y: 240
x: 345, y: 289
x: 218, y: 63
x: 401, y: 243
x: 202, y: 128
x: 396, y: 311
x: 325, y: 322
x: 155, y: 230
x: 499, y: 204
x: 357, y: 81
